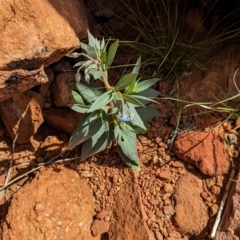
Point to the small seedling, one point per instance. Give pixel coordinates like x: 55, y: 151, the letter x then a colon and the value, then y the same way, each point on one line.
x: 114, y: 113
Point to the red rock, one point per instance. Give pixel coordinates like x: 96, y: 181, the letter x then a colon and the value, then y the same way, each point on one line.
x: 56, y: 204
x: 62, y: 119
x: 168, y: 188
x: 128, y: 216
x: 215, y: 189
x: 154, y: 202
x: 176, y: 164
x: 165, y: 175
x: 52, y: 34
x: 50, y: 145
x: 204, y: 150
x: 22, y: 115
x: 101, y: 215
x: 19, y: 80
x: 62, y: 89
x: 191, y: 212
x: 99, y: 227
x: 168, y: 210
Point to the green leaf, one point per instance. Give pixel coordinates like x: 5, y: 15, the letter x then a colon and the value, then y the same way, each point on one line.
x: 90, y: 92
x: 91, y: 52
x: 139, y: 130
x: 135, y: 165
x: 143, y: 85
x: 126, y: 81
x: 145, y: 99
x: 79, y: 108
x: 137, y: 66
x: 73, y: 55
x: 97, y: 74
x: 127, y: 147
x: 91, y: 39
x: 84, y: 46
x: 137, y: 121
x: 130, y: 88
x: 103, y: 46
x: 146, y: 95
x: 85, y: 130
x: 79, y: 64
x: 111, y: 53
x: 77, y: 97
x: 104, y: 57
x: 101, y: 101
x: 98, y: 142
x: 147, y: 114
x: 130, y: 99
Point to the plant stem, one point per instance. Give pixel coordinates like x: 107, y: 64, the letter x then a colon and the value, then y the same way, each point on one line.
x: 111, y: 104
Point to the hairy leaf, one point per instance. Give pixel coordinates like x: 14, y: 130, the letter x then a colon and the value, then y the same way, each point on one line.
x: 79, y: 108
x: 147, y: 114
x: 98, y: 142
x: 137, y: 121
x: 130, y: 88
x: 104, y: 57
x: 103, y: 46
x: 84, y: 46
x: 126, y: 81
x: 91, y: 52
x: 146, y: 96
x: 79, y: 64
x: 137, y: 66
x: 73, y: 55
x: 111, y: 53
x: 145, y: 99
x: 85, y: 130
x: 143, y: 85
x: 101, y: 101
x: 127, y: 149
x: 97, y: 74
x: 133, y: 100
x: 91, y: 39
x: 77, y: 97
x: 139, y: 130
x: 90, y: 92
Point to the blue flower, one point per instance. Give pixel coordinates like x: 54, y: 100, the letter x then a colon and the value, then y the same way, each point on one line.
x: 124, y: 118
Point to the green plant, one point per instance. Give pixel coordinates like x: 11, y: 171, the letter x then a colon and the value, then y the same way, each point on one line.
x: 114, y: 113
x: 165, y: 44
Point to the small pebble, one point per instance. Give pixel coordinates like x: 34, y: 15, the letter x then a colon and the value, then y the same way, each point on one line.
x: 86, y: 174
x: 213, y: 210
x: 190, y: 167
x: 154, y: 202
x: 176, y: 164
x: 107, y: 219
x: 158, y: 235
x: 165, y: 175
x: 102, y: 214
x: 168, y: 188
x: 215, y: 189
x: 168, y: 210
